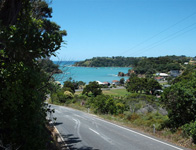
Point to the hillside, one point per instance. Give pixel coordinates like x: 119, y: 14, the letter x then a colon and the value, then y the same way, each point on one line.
x: 141, y: 65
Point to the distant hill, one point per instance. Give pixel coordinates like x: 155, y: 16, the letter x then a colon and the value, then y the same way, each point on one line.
x: 141, y: 65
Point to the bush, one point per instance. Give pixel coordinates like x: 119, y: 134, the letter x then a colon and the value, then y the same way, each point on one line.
x: 68, y: 95
x: 127, y: 115
x: 120, y: 108
x: 190, y: 129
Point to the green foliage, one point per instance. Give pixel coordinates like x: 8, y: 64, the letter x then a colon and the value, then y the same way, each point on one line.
x: 122, y: 81
x: 108, y: 62
x: 147, y: 85
x: 26, y: 36
x: 105, y: 104
x: 180, y: 101
x: 48, y: 66
x: 190, y: 130
x: 150, y: 119
x: 68, y: 95
x: 69, y: 86
x: 62, y: 96
x: 92, y: 87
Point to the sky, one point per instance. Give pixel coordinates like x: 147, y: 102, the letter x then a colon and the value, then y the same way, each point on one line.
x: 129, y: 28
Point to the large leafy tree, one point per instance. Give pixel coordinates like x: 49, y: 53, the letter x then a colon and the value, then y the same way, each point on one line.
x: 180, y: 100
x: 26, y: 34
x: 92, y: 87
x: 147, y: 85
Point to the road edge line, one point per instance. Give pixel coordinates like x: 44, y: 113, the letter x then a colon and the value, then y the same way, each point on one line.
x: 61, y: 137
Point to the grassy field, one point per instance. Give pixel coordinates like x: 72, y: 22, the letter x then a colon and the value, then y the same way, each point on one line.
x: 116, y: 92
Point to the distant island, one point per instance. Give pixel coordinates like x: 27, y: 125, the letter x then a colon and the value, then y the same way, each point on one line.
x: 140, y: 65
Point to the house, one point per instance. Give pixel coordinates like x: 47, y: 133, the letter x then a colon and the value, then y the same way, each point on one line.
x: 116, y: 82
x: 166, y: 86
x: 163, y: 75
x: 175, y: 73
x: 159, y: 78
x: 100, y: 83
x: 106, y: 83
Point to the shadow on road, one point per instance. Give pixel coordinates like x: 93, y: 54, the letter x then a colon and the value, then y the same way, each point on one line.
x: 57, y: 123
x: 71, y: 142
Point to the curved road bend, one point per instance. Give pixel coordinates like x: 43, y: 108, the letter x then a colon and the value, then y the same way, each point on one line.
x: 83, y: 131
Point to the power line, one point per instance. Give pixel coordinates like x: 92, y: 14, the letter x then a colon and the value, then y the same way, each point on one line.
x: 187, y: 17
x: 166, y: 39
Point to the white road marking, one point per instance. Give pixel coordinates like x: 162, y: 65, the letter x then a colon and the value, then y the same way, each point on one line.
x: 80, y: 117
x: 94, y: 131
x: 141, y: 134
x: 103, y: 136
x: 77, y: 127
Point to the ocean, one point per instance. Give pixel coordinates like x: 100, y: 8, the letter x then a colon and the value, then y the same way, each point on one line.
x: 87, y: 74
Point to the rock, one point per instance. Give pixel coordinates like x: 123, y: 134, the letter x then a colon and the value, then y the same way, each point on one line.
x: 58, y: 71
x: 162, y: 111
x: 147, y: 109
x: 121, y: 74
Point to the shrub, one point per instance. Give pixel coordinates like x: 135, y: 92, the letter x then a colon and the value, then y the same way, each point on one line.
x: 190, y: 129
x: 120, y: 108
x: 68, y: 95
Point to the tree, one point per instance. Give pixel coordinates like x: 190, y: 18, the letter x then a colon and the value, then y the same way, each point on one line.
x: 151, y: 86
x: 93, y: 87
x: 135, y: 84
x: 26, y: 35
x: 69, y: 86
x: 122, y: 81
x: 180, y: 101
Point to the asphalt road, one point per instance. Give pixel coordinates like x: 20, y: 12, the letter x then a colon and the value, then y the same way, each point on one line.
x: 83, y: 131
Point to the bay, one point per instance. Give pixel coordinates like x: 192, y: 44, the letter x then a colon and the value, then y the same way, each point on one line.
x: 87, y: 74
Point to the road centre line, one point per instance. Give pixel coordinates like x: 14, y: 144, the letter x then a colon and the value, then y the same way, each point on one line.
x: 139, y: 134
x: 94, y: 131
x: 80, y: 117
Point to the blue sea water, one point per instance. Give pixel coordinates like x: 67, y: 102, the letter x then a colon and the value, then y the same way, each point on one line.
x: 87, y: 74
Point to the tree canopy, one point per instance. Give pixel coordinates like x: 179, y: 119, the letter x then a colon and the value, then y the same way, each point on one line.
x: 26, y: 35
x: 147, y: 85
x: 92, y: 87
x: 180, y: 100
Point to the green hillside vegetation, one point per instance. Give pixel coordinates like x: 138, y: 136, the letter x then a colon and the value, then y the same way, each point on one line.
x: 141, y: 65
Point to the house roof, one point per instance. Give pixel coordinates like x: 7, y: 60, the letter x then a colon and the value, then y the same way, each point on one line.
x: 163, y: 74
x: 115, y: 81
x: 158, y: 78
x: 99, y: 82
x: 105, y: 82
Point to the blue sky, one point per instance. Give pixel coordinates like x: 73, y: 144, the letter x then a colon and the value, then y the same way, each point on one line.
x: 130, y: 28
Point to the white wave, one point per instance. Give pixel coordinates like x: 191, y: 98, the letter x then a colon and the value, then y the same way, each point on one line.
x: 114, y: 75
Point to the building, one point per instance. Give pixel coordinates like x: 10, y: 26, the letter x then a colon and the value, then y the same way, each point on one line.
x: 159, y: 78
x: 116, y: 82
x: 175, y: 73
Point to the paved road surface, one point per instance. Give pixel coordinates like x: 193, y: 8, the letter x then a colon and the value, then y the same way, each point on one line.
x: 83, y: 131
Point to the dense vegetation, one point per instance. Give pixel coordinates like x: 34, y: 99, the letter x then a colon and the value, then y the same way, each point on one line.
x: 26, y: 35
x: 48, y: 66
x: 109, y: 62
x: 147, y: 85
x: 180, y: 101
x: 141, y: 65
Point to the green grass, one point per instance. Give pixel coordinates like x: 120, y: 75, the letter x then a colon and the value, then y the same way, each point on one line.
x: 116, y: 92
